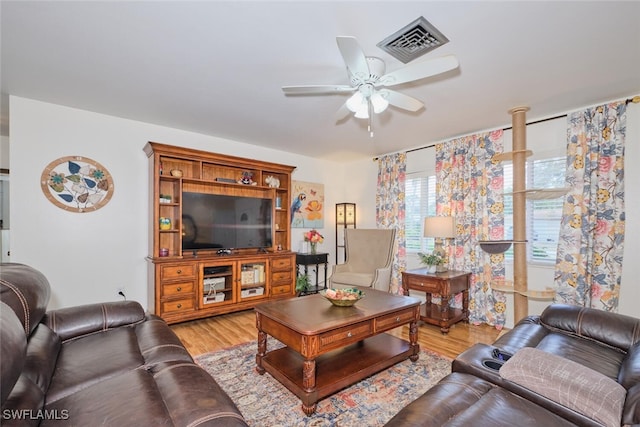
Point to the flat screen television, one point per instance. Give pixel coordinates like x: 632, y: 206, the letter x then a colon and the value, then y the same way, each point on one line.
x: 213, y: 221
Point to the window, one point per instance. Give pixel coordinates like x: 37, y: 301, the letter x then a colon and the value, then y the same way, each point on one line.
x: 543, y: 216
x: 420, y: 202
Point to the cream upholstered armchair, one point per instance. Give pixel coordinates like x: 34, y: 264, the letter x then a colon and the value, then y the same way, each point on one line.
x: 369, y: 259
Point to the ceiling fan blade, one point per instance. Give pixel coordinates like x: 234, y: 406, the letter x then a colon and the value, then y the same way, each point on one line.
x: 401, y: 100
x: 342, y: 112
x: 354, y: 57
x: 316, y: 89
x: 419, y: 70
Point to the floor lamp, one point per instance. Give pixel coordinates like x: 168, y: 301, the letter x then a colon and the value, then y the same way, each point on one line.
x: 439, y: 227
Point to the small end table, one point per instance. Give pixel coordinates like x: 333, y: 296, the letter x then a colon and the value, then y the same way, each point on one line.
x: 305, y: 260
x: 446, y: 284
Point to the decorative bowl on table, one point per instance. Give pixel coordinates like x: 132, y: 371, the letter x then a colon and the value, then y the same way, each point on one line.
x: 343, y: 297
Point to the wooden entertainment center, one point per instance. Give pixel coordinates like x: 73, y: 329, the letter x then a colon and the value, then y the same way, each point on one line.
x: 187, y: 284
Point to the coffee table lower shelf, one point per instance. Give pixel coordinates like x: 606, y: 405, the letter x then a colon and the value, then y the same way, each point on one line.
x: 337, y: 369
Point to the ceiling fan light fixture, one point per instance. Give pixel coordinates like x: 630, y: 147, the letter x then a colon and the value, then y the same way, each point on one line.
x: 363, y: 112
x: 379, y: 103
x: 355, y: 102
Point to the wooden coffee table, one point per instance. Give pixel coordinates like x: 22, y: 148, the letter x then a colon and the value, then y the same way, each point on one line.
x: 328, y: 348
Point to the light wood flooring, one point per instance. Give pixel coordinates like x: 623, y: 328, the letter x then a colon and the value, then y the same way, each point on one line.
x: 216, y: 333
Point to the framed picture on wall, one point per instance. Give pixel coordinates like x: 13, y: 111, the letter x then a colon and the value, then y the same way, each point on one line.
x: 307, y: 205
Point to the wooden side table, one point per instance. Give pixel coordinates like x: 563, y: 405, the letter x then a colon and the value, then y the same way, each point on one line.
x: 445, y: 284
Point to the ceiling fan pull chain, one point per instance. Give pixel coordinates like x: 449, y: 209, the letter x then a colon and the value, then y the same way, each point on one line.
x: 370, y: 126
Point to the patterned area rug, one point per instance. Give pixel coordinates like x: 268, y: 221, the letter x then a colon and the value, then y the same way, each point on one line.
x: 264, y: 402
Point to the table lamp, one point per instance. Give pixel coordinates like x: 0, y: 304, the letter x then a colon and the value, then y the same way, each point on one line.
x: 440, y: 227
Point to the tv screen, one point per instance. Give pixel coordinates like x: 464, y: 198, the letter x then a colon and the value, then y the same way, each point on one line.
x: 212, y: 221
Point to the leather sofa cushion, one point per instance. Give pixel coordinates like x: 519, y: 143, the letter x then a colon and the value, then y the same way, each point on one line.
x: 601, y: 358
x: 80, y: 364
x: 567, y: 383
x: 178, y: 394
x: 465, y: 400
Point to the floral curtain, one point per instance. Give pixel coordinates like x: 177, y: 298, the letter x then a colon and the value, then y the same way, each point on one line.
x: 590, y: 248
x: 469, y: 187
x: 390, y: 210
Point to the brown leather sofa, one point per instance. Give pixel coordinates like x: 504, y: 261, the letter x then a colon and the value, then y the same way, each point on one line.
x: 568, y: 366
x: 100, y: 364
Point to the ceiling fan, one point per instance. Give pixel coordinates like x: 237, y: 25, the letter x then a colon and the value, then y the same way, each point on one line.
x: 370, y: 83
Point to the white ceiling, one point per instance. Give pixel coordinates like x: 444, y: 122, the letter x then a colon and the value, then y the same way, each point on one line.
x: 217, y: 67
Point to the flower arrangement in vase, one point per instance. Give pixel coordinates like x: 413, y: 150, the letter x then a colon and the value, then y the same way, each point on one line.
x: 313, y: 237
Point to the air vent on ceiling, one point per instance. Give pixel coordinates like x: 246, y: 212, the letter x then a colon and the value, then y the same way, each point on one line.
x: 413, y: 41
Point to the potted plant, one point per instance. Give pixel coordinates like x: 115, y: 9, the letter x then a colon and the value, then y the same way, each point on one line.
x: 302, y: 283
x: 432, y: 261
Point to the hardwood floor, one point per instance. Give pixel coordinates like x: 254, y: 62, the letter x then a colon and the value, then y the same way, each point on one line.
x: 216, y: 333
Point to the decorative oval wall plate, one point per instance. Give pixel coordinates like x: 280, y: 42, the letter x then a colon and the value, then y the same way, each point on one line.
x: 77, y: 184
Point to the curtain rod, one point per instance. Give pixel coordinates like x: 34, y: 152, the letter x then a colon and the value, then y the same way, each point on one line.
x: 635, y: 100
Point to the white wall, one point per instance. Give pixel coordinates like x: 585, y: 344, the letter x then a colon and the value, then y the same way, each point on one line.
x: 88, y: 256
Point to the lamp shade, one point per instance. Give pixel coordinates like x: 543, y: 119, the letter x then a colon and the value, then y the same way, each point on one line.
x: 346, y: 213
x: 439, y: 226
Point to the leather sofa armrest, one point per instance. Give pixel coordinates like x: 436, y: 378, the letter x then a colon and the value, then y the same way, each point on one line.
x: 74, y: 322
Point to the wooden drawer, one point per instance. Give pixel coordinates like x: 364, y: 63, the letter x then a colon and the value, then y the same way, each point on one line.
x: 280, y: 290
x: 282, y: 276
x: 173, y: 306
x: 281, y: 263
x: 393, y: 320
x: 344, y: 336
x: 169, y: 272
x: 423, y: 284
x: 179, y: 288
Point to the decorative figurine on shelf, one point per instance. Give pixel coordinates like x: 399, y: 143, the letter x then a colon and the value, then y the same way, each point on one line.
x: 272, y: 181
x: 247, y: 179
x: 313, y: 237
